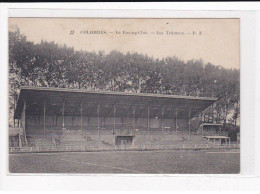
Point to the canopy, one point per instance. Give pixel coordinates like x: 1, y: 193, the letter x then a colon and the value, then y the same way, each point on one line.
x: 89, y: 103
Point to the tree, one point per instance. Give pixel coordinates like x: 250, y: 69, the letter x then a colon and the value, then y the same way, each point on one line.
x: 52, y: 65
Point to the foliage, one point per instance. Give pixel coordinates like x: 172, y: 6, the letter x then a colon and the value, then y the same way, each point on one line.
x: 51, y: 65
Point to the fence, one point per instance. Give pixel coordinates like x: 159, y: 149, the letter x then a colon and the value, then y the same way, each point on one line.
x: 68, y: 148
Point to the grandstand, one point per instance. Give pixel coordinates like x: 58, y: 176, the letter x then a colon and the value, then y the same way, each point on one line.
x: 58, y: 116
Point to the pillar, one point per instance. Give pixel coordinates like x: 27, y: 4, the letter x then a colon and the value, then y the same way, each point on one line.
x: 63, y: 110
x: 114, y: 129
x: 81, y: 121
x: 23, y: 122
x: 176, y: 120
x: 44, y: 119
x: 162, y: 118
x: 189, y: 125
x: 98, y: 109
x: 14, y: 109
x: 133, y: 119
x: 20, y: 141
x: 148, y: 119
x: 23, y: 115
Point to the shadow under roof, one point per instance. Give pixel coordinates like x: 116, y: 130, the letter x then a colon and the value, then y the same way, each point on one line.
x: 123, y: 101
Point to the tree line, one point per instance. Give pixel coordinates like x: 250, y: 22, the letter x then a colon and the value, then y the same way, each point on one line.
x: 48, y: 64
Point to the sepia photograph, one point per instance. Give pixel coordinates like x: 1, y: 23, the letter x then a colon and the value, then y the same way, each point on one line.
x: 124, y: 96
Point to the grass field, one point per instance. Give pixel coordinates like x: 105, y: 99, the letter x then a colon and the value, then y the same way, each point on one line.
x: 129, y: 162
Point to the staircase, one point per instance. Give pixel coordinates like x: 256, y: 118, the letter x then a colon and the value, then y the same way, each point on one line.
x: 24, y: 142
x: 200, y: 130
x: 77, y: 138
x: 17, y: 137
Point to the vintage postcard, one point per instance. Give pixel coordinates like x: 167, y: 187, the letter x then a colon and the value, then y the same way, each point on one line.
x: 124, y: 96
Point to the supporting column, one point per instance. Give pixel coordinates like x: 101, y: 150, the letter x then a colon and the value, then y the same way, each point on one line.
x: 14, y: 110
x: 44, y: 118
x: 63, y: 110
x: 114, y: 129
x: 20, y: 141
x: 24, y: 123
x: 81, y: 121
x: 98, y: 107
x: 148, y: 119
x: 162, y: 126
x: 133, y: 119
x: 189, y: 125
x: 176, y: 120
x: 23, y: 115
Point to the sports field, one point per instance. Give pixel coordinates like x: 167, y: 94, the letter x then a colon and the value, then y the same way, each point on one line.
x: 129, y: 162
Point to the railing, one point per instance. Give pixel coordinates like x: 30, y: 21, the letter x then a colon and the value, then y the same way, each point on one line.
x: 48, y: 148
x: 49, y: 132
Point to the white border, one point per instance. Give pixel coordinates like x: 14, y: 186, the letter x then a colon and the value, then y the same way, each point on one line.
x: 250, y: 137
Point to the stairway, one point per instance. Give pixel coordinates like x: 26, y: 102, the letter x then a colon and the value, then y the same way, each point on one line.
x: 77, y: 138
x: 200, y: 130
x: 24, y: 141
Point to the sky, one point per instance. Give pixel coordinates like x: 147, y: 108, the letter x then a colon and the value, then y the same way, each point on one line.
x: 213, y: 40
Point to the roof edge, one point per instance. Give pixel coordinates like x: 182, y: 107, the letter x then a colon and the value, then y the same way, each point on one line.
x: 116, y: 93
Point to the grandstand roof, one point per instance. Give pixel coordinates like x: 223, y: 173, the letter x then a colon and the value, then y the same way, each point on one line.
x: 123, y: 102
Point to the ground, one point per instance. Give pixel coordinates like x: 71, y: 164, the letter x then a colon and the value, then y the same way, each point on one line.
x: 129, y: 162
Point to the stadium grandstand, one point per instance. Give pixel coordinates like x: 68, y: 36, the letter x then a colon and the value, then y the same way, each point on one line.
x: 47, y: 116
